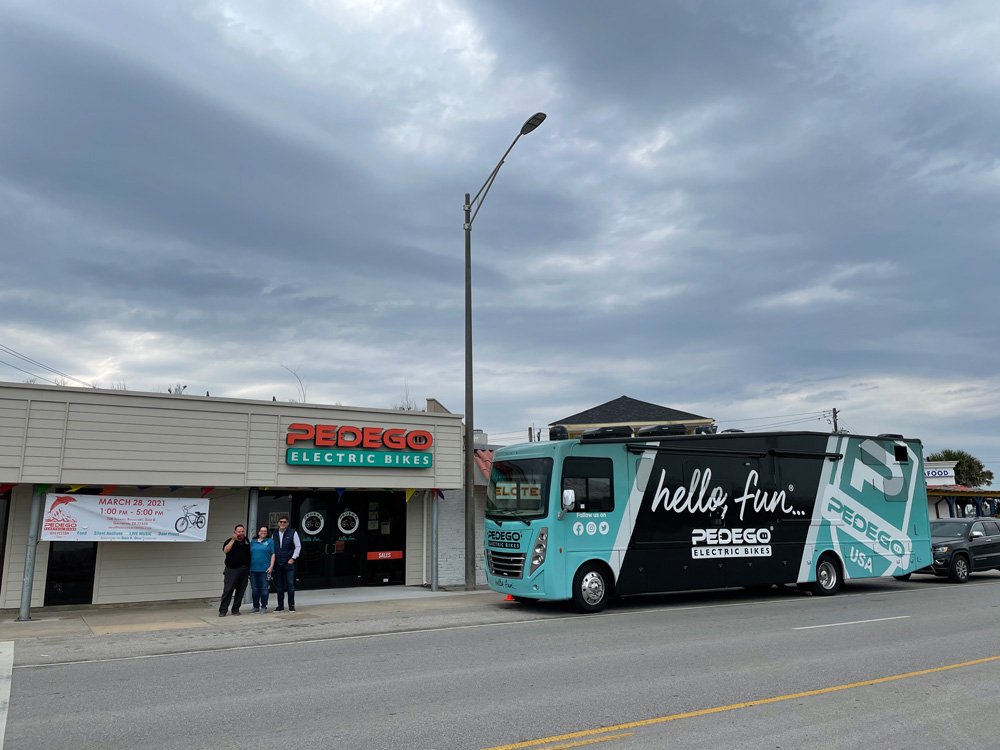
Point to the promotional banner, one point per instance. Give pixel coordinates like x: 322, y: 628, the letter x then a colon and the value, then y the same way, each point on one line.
x: 122, y: 518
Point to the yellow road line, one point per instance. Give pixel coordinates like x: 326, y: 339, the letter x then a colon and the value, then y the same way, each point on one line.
x: 733, y: 706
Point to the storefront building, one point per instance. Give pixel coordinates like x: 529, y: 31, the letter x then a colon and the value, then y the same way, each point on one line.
x: 117, y: 496
x: 948, y: 499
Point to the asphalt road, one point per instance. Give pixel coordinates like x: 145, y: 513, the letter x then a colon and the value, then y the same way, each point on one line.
x: 883, y: 664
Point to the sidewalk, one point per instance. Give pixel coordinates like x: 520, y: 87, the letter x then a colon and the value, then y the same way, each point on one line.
x: 311, y: 606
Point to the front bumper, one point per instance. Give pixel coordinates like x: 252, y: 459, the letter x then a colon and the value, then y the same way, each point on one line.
x: 939, y: 565
x: 532, y: 589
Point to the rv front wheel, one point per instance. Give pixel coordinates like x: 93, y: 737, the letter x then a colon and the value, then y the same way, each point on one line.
x: 591, y: 589
x: 827, y: 576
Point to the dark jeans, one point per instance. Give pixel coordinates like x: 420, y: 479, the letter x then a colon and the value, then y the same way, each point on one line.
x: 234, y: 581
x: 258, y: 588
x: 284, y: 580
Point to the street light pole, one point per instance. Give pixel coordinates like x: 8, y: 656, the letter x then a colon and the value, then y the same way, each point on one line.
x: 470, y: 459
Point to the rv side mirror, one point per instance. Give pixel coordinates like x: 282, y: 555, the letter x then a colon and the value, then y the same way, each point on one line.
x: 569, y: 499
x: 974, y: 535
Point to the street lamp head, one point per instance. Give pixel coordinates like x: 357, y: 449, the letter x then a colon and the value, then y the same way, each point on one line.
x: 532, y: 122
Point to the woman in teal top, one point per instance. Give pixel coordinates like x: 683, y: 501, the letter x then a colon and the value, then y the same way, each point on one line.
x: 261, y: 565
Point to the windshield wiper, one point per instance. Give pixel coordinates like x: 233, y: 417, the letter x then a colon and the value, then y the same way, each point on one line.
x: 496, y: 515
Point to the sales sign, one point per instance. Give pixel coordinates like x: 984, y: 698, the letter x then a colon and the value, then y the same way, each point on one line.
x: 124, y: 518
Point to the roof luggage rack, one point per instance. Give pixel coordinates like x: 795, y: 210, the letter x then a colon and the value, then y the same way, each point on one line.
x: 661, y: 430
x: 601, y: 433
x: 558, y: 432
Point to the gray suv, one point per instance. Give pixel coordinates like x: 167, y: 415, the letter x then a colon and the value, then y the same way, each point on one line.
x: 960, y: 546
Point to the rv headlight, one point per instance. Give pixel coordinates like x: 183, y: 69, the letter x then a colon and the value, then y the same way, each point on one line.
x: 940, y: 549
x: 538, y: 553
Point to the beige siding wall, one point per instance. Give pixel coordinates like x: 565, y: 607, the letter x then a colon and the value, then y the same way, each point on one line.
x: 16, y: 552
x: 116, y: 443
x: 83, y: 436
x: 262, y: 457
x: 43, y: 440
x: 70, y: 436
x: 417, y: 556
x: 13, y: 423
x: 130, y: 571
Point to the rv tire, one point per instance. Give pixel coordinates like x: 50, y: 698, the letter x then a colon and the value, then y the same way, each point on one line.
x: 591, y: 588
x: 828, y: 576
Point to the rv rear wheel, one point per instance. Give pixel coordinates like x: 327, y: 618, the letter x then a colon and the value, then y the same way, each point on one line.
x: 828, y: 578
x: 591, y: 588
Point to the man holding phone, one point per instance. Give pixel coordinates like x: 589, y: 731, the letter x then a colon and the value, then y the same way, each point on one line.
x: 286, y: 551
x: 237, y: 572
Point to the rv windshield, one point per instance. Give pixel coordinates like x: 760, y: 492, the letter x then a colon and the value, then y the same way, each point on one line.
x: 519, y: 489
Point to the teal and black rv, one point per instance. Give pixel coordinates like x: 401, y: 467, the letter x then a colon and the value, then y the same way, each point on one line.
x: 618, y: 514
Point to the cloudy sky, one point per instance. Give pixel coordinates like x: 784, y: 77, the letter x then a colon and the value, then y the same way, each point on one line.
x: 756, y: 212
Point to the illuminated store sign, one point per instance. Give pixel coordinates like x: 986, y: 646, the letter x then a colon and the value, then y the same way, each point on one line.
x: 358, y: 447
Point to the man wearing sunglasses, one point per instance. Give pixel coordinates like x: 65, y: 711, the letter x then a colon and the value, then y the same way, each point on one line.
x: 286, y: 551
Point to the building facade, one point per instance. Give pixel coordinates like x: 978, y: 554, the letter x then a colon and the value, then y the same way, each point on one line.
x: 124, y: 497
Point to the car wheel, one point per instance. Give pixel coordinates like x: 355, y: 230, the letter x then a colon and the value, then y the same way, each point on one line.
x: 904, y: 577
x: 591, y: 588
x: 958, y: 572
x: 828, y: 578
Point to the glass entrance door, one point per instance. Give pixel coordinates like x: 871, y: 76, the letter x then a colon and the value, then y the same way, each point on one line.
x: 330, y: 557
x: 70, y: 575
x: 349, y: 538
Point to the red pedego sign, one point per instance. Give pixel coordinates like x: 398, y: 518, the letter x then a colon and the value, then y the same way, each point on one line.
x: 348, y: 436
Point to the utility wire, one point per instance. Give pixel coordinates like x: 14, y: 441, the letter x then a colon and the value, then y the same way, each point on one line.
x: 776, y: 416
x: 786, y: 423
x: 27, y: 372
x: 36, y: 363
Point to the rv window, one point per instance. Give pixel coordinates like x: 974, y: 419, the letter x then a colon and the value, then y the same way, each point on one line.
x: 591, y: 480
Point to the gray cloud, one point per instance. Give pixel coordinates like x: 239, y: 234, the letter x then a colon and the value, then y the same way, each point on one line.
x: 740, y: 212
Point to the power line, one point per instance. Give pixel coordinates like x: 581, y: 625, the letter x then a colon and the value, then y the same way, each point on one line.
x: 776, y: 416
x: 36, y: 363
x: 27, y: 372
x: 787, y: 423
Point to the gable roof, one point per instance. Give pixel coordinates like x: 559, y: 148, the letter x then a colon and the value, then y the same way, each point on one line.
x: 623, y: 410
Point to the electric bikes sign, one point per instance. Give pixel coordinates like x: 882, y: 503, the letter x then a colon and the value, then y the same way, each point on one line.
x: 358, y: 447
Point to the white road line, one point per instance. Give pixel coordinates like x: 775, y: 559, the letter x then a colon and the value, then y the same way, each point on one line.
x: 852, y: 622
x: 6, y: 665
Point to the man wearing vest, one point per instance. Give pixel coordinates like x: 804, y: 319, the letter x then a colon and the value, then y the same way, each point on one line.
x: 286, y: 551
